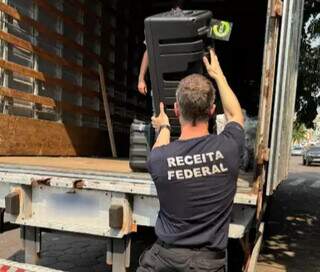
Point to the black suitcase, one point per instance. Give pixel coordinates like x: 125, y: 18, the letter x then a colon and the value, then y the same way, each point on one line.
x: 141, y: 139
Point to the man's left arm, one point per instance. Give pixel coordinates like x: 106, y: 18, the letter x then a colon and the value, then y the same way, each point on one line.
x: 142, y: 85
x: 162, y: 125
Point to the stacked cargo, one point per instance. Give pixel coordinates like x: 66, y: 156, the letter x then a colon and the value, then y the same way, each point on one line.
x: 122, y: 51
x: 122, y: 61
x: 49, y: 81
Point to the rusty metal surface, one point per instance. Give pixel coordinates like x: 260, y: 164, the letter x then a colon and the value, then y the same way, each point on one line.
x: 266, y: 100
x: 285, y: 93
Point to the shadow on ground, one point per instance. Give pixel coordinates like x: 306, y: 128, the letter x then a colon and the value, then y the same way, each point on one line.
x: 293, y: 232
x: 83, y: 253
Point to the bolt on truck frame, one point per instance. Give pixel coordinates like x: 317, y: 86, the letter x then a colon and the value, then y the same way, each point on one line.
x: 103, y: 197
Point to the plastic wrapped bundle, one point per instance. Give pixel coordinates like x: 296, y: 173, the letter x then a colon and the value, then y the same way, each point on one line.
x: 250, y: 130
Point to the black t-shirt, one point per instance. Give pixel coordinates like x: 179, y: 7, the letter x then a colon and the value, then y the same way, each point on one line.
x: 196, y: 185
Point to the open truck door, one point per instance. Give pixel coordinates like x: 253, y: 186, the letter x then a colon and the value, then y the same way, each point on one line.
x: 278, y: 93
x: 277, y: 101
x: 285, y: 93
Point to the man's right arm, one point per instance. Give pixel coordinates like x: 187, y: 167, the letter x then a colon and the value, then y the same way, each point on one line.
x: 230, y: 103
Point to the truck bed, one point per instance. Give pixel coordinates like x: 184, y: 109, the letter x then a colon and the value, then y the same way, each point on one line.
x: 96, y: 173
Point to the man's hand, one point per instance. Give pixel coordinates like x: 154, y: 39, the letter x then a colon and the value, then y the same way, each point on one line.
x: 213, y: 68
x: 157, y: 122
x: 142, y: 87
x: 230, y: 103
x: 161, y: 120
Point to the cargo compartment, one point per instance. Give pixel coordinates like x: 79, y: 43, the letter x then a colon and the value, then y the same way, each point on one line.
x: 51, y: 98
x: 50, y: 51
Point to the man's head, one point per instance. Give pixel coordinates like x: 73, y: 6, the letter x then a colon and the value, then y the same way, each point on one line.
x: 195, y: 99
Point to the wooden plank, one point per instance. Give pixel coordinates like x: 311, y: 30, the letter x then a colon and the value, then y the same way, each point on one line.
x: 107, y: 111
x: 17, y: 138
x: 53, y: 11
x: 48, y: 102
x: 12, y: 12
x: 28, y: 72
x: 18, y: 42
x: 256, y: 250
x: 12, y: 93
x: 67, y: 164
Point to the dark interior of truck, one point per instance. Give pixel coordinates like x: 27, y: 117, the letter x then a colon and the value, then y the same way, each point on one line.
x: 241, y: 57
x: 50, y: 76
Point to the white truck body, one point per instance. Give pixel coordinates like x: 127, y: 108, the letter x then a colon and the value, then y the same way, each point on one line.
x: 39, y: 193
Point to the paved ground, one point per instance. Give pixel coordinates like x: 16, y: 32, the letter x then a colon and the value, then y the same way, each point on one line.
x: 293, y: 236
x: 292, y: 243
x: 74, y: 253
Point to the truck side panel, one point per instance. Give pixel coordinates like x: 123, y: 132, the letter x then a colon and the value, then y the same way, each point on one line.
x: 285, y: 93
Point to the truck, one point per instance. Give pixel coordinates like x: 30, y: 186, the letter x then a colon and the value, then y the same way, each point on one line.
x: 56, y: 173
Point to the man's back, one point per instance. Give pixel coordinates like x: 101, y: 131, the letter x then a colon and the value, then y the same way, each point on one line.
x: 199, y: 176
x: 195, y: 177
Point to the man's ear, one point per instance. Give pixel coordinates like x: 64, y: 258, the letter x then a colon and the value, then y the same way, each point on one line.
x: 212, y: 110
x: 176, y: 110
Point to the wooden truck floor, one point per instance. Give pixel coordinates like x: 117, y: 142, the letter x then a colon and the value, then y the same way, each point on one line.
x: 100, y: 167
x: 71, y: 163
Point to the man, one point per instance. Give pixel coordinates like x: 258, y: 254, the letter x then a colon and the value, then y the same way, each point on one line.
x: 195, y: 177
x: 142, y: 85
